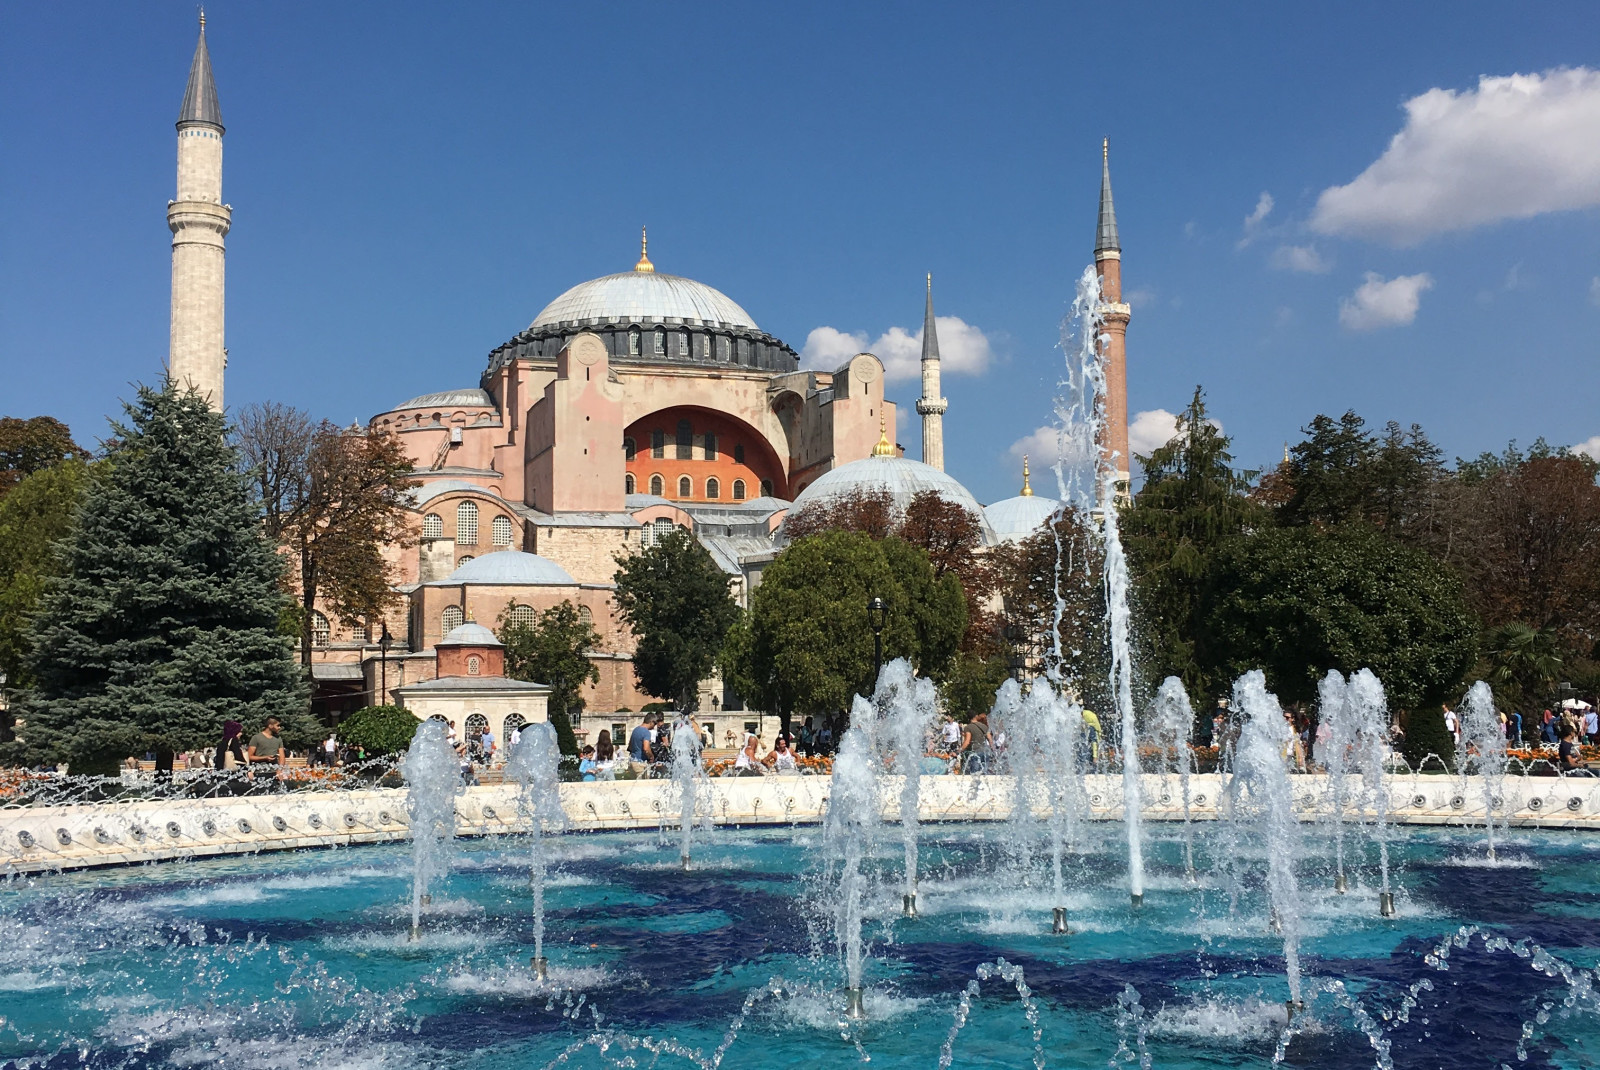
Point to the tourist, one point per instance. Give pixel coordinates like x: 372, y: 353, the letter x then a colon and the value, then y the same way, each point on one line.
x: 975, y: 744
x: 605, y: 755
x: 747, y: 764
x: 949, y: 736
x: 486, y: 744
x: 1452, y: 724
x: 230, y: 753
x: 781, y: 760
x: 330, y: 750
x: 1591, y: 725
x: 1548, y: 728
x: 1571, y: 758
x: 265, y: 745
x: 640, y: 751
x: 586, y: 764
x: 516, y: 735
x: 825, y: 737
x: 808, y: 738
x: 1089, y: 749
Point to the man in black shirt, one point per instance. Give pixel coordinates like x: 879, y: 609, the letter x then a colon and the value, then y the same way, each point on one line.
x: 1571, y: 758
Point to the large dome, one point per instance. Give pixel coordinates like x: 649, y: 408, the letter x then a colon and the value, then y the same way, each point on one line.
x: 643, y: 297
x: 902, y: 477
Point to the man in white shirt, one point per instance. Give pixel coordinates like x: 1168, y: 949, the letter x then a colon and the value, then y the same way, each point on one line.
x: 950, y: 735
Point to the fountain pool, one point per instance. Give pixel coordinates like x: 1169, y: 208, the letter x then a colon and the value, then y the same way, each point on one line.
x: 302, y: 959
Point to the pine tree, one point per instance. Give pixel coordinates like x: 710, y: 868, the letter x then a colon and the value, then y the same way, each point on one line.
x: 165, y: 622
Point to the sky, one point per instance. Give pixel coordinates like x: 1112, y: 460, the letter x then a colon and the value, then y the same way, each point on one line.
x: 1390, y: 208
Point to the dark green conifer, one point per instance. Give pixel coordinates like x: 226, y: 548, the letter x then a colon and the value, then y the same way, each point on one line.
x: 164, y: 623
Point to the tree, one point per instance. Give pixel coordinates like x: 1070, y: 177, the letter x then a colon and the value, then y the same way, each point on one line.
x: 676, y: 600
x: 34, y: 517
x: 971, y: 682
x: 334, y: 499
x: 1343, y: 473
x: 29, y: 446
x: 1297, y: 602
x: 554, y: 651
x: 1522, y: 664
x: 164, y: 622
x: 379, y: 730
x: 806, y: 647
x: 871, y: 512
x: 1191, y: 504
x: 1062, y: 560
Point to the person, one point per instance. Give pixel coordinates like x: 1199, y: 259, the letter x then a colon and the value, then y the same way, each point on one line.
x: 808, y: 738
x: 516, y: 734
x: 1452, y: 724
x: 1091, y: 736
x: 747, y: 764
x: 330, y: 750
x: 486, y: 742
x: 230, y: 753
x: 1547, y: 728
x: 1571, y: 758
x: 949, y: 736
x: 265, y: 745
x: 587, y: 764
x: 640, y: 750
x: 781, y: 760
x: 975, y: 744
x: 825, y: 737
x: 605, y: 754
x: 1591, y: 725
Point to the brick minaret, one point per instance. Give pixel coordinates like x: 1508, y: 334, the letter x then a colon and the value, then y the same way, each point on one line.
x: 1114, y: 325
x: 930, y: 404
x: 199, y: 221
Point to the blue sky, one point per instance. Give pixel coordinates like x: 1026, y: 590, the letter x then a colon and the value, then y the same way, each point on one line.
x: 411, y: 184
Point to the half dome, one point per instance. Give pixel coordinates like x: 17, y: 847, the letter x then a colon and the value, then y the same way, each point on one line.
x: 643, y: 297
x: 511, y: 568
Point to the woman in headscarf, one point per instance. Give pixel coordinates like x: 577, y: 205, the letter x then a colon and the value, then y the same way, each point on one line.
x: 230, y: 754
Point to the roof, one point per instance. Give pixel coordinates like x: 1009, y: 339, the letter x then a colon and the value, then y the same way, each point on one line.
x: 467, y: 396
x: 200, y: 96
x: 509, y: 567
x: 1014, y: 519
x: 470, y: 634
x: 902, y: 477
x: 1105, y: 236
x: 471, y: 683
x: 593, y: 519
x: 336, y: 670
x: 644, y: 296
x: 435, y: 487
x: 728, y: 550
x: 930, y: 332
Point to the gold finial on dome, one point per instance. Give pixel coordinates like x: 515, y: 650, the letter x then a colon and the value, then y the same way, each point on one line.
x: 884, y: 448
x: 1027, y: 488
x: 644, y: 263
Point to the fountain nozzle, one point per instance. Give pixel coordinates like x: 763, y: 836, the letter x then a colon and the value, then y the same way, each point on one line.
x: 541, y: 967
x: 1386, y: 904
x: 1138, y: 899
x: 854, y: 1008
x: 908, y: 904
x: 684, y: 861
x: 416, y: 934
x: 1293, y: 1007
x: 427, y: 900
x: 1339, y: 884
x: 1058, y: 921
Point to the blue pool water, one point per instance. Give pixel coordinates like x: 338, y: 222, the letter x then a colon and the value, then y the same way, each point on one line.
x: 288, y: 960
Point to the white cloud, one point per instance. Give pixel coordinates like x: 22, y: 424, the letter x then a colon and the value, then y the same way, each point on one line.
x: 1594, y: 290
x: 1514, y: 147
x: 1302, y: 258
x: 1589, y: 448
x: 963, y: 349
x: 1140, y: 298
x: 1151, y: 429
x: 1384, y: 303
x: 1257, y: 216
x: 1040, y: 447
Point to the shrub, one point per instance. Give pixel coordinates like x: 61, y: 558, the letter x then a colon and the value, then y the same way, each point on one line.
x: 379, y: 730
x: 1426, y: 734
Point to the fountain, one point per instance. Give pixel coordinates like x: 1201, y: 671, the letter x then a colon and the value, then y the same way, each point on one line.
x: 1334, y: 751
x: 1367, y: 710
x: 908, y: 703
x: 1483, y: 746
x: 433, y: 780
x: 1173, y: 720
x: 852, y: 818
x: 690, y: 781
x: 535, y: 765
x: 1059, y: 732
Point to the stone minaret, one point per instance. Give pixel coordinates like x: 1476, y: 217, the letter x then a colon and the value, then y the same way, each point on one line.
x: 199, y: 221
x: 930, y: 404
x: 1114, y: 325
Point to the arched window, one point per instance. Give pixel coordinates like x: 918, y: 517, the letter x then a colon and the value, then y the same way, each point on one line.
x: 586, y: 614
x: 450, y: 619
x: 477, y: 724
x: 633, y: 343
x: 657, y: 487
x: 661, y: 343
x: 766, y: 488
x: 321, y: 631
x: 685, y: 441
x: 658, y: 443
x: 467, y: 524
x: 433, y: 526
x: 512, y: 722
x: 738, y: 453
x: 713, y: 488
x: 685, y: 487
x: 501, y: 526
x: 629, y: 484
x: 630, y: 449
x: 474, y: 665
x: 711, y: 446
x: 519, y: 616
x: 738, y: 490
x: 683, y: 345
x: 464, y: 560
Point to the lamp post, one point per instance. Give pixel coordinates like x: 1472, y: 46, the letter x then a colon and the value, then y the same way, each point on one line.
x: 877, y: 617
x: 384, y: 641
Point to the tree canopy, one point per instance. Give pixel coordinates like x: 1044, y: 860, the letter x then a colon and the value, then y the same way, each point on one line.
x: 806, y: 646
x: 553, y: 651
x: 32, y: 445
x: 676, y: 600
x: 379, y: 730
x: 164, y: 621
x: 34, y: 517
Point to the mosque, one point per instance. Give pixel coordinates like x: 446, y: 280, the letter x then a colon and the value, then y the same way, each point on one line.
x: 632, y: 404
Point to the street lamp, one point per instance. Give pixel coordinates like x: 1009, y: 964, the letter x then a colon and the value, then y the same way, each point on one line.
x: 877, y: 617
x: 384, y: 641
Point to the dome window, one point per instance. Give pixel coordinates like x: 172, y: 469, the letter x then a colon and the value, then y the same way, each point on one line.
x: 633, y: 343
x: 713, y: 488
x: 321, y: 631
x: 433, y: 526
x: 630, y: 449
x: 474, y: 667
x: 685, y: 487
x: 467, y: 523
x: 683, y: 345
x: 519, y: 616
x: 657, y: 487
x: 450, y: 619
x: 661, y: 343
x: 586, y: 614
x: 711, y: 446
x: 629, y: 484
x: 501, y: 527
x: 738, y: 490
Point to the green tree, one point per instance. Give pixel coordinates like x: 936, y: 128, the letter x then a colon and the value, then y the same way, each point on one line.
x: 34, y: 517
x: 1191, y: 504
x: 1426, y: 733
x: 1343, y: 473
x: 1522, y: 664
x: 1052, y: 590
x: 164, y: 623
x: 805, y: 646
x: 29, y: 446
x: 971, y: 682
x: 676, y: 600
x: 1297, y: 602
x: 379, y: 730
x: 553, y: 651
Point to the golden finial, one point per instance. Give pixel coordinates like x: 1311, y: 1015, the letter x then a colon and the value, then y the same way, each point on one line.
x: 644, y: 263
x: 202, y: 20
x: 466, y: 614
x: 1286, y: 453
x: 1027, y: 488
x: 884, y: 448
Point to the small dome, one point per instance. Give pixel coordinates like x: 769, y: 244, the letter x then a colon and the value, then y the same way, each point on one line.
x: 471, y: 396
x: 510, y: 567
x: 643, y: 296
x: 902, y: 477
x: 1014, y: 519
x: 470, y: 634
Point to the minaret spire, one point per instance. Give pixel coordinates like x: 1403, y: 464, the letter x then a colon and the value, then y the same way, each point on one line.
x: 1105, y: 236
x: 199, y: 222
x: 1114, y: 316
x: 931, y: 405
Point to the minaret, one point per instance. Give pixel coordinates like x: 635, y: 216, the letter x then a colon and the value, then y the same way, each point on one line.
x: 199, y: 221
x: 930, y: 404
x: 1114, y: 316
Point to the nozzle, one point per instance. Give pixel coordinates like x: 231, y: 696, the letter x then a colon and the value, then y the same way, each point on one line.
x: 854, y: 1009
x: 1386, y: 904
x: 1294, y: 1007
x: 908, y: 904
x: 416, y: 934
x: 427, y: 899
x: 1138, y: 899
x: 541, y: 967
x: 1339, y: 885
x: 683, y: 861
x: 1058, y: 921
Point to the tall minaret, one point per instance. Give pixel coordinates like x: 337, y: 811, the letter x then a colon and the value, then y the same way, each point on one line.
x: 1114, y: 324
x: 930, y: 404
x: 199, y: 221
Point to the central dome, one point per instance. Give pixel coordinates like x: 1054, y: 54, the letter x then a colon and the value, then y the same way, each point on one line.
x: 644, y: 297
